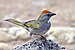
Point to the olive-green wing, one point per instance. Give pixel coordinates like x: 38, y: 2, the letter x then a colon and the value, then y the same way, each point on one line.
x: 32, y: 24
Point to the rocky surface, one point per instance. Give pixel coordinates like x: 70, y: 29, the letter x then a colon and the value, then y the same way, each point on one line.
x: 39, y: 44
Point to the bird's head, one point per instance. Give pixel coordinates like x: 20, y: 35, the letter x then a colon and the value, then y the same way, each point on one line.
x: 46, y: 15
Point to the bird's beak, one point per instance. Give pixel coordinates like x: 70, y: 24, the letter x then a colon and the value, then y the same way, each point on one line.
x: 53, y: 14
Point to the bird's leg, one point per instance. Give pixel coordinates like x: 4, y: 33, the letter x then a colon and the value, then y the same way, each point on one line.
x: 42, y: 37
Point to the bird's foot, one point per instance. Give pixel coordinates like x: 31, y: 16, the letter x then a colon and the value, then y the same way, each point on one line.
x: 42, y: 37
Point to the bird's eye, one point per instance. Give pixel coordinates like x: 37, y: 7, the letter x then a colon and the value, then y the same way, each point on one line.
x: 48, y: 14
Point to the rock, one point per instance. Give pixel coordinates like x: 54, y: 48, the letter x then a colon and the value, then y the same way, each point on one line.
x: 6, y: 37
x: 4, y: 46
x: 63, y: 34
x: 70, y: 37
x: 4, y: 29
x: 13, y: 30
x: 22, y: 34
x: 18, y: 32
x: 39, y: 44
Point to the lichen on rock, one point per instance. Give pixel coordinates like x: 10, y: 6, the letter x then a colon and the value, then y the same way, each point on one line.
x: 39, y: 44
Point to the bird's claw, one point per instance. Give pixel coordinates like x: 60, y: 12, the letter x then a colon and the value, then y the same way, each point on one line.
x: 42, y: 37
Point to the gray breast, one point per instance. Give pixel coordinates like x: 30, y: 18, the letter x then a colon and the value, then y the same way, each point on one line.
x: 42, y: 29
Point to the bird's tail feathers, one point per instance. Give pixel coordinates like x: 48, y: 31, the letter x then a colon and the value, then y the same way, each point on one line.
x: 14, y: 22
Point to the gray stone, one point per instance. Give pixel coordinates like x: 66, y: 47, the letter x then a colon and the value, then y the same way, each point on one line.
x: 39, y: 44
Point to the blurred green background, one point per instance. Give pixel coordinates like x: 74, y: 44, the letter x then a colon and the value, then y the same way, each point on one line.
x: 63, y: 24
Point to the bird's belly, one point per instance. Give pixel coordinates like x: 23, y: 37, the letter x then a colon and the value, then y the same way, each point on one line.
x: 41, y: 30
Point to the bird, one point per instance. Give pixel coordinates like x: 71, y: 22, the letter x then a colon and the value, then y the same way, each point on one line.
x: 36, y: 27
